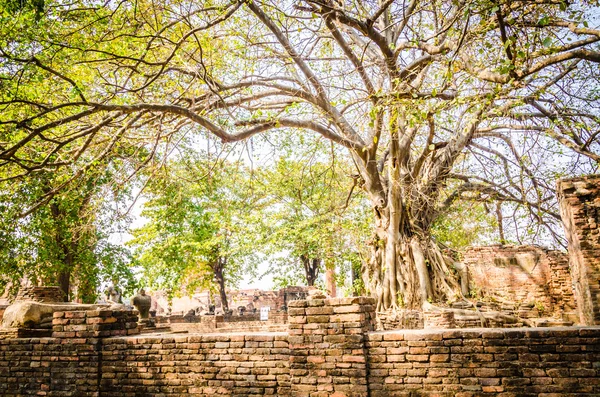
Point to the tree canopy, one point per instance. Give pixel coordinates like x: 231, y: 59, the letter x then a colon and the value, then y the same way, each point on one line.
x: 314, y: 215
x: 197, y: 233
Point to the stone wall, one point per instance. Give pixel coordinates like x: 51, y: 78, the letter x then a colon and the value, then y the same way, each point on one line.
x: 520, y: 362
x: 42, y: 294
x: 249, y: 299
x: 330, y: 350
x: 95, y: 323
x: 197, y: 365
x: 523, y: 275
x: 249, y: 322
x: 579, y: 200
x: 49, y: 367
x: 327, y: 346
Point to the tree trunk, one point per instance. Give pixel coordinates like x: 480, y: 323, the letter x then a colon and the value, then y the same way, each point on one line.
x: 330, y: 282
x: 311, y: 269
x: 66, y: 254
x: 220, y: 278
x: 64, y: 282
x: 409, y: 270
x: 500, y: 223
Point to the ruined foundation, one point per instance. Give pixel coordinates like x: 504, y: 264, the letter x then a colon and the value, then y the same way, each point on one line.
x: 580, y: 211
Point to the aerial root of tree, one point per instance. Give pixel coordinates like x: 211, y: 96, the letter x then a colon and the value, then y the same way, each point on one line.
x: 425, y: 279
x: 410, y: 273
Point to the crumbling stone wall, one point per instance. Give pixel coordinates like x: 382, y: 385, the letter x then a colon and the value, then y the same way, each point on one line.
x: 196, y: 365
x: 41, y: 294
x: 579, y: 200
x: 95, y: 323
x: 523, y: 274
x: 475, y: 362
x: 49, y: 366
x: 327, y: 346
x: 250, y: 322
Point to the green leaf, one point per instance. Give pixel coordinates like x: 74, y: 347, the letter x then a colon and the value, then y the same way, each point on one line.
x: 547, y: 42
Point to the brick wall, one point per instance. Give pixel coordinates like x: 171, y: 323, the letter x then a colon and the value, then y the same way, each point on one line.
x: 49, y: 367
x: 94, y: 323
x: 474, y: 362
x: 250, y: 322
x: 523, y: 274
x: 579, y: 200
x: 196, y: 365
x: 41, y: 294
x: 329, y: 351
x: 327, y: 346
x: 247, y: 326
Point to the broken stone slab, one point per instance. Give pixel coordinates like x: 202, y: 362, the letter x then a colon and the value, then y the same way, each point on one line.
x: 29, y: 314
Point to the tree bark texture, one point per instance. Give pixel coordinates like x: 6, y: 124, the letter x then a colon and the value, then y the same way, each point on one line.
x: 218, y: 268
x: 407, y: 268
x: 312, y: 267
x: 409, y: 271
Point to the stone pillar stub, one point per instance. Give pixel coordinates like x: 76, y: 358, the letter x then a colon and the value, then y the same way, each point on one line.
x: 327, y: 341
x: 330, y: 281
x: 579, y: 201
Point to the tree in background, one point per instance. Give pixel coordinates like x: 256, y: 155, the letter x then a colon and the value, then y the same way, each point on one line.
x: 65, y: 242
x: 312, y: 213
x: 197, y: 233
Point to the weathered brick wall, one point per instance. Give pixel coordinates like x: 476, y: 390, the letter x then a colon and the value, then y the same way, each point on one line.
x: 49, y: 367
x: 401, y: 319
x: 525, y: 274
x: 251, y: 322
x: 330, y: 351
x: 94, y: 323
x: 247, y: 326
x: 579, y: 200
x: 327, y: 346
x: 520, y: 362
x: 196, y: 365
x: 42, y: 294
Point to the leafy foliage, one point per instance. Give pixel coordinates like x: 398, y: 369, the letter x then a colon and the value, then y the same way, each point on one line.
x: 65, y: 242
x: 423, y: 94
x: 314, y: 215
x: 197, y: 227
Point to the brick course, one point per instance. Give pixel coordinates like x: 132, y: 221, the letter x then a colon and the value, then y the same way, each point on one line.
x: 327, y: 346
x: 43, y: 294
x: 95, y: 323
x: 196, y: 365
x: 49, y: 367
x: 474, y: 362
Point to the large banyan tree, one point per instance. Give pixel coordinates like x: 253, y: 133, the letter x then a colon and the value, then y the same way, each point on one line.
x: 435, y: 101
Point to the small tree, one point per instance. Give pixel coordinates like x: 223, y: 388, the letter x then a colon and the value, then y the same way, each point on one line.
x: 196, y: 234
x: 311, y: 213
x: 65, y: 242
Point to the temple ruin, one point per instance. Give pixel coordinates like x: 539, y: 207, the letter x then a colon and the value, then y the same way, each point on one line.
x: 340, y: 347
